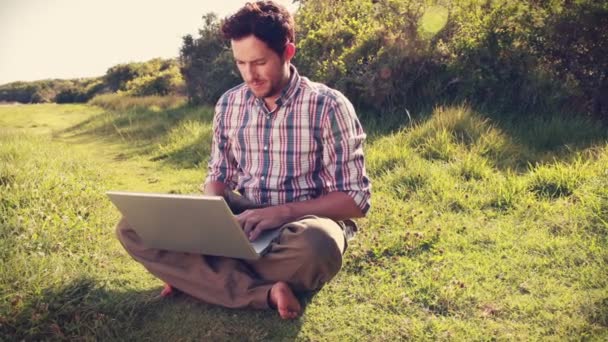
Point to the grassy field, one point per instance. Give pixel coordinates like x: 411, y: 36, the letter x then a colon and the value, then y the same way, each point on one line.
x: 480, y: 229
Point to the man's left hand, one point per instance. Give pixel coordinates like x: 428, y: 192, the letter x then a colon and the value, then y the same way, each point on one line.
x: 255, y: 221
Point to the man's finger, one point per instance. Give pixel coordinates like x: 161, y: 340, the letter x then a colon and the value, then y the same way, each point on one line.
x: 255, y: 233
x: 259, y: 228
x: 242, y: 218
x: 250, y: 225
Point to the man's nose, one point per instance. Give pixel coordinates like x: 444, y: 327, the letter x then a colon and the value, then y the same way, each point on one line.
x: 250, y: 72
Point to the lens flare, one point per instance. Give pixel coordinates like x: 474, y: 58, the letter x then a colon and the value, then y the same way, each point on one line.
x: 433, y: 20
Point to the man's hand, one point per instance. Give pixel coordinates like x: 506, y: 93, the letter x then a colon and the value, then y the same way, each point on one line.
x: 335, y: 205
x: 255, y: 221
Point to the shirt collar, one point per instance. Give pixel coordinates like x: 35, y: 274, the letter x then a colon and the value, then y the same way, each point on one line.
x: 290, y: 89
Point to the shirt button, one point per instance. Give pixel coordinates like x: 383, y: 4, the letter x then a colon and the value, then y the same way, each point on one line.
x: 262, y: 178
x: 266, y: 148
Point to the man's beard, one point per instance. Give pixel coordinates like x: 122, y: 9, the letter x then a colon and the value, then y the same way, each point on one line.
x: 272, y: 91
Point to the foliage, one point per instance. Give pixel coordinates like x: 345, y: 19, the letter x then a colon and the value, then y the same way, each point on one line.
x: 154, y: 77
x: 516, y: 56
x: 373, y: 51
x: 81, y: 93
x: 75, y: 90
x: 574, y: 45
x: 207, y: 64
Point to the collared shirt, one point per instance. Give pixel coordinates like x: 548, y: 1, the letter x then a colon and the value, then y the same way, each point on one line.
x: 309, y: 146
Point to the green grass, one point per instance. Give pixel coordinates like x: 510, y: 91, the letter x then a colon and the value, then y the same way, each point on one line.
x: 479, y: 230
x: 119, y: 102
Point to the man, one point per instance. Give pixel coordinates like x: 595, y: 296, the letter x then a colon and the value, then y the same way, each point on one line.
x: 293, y: 149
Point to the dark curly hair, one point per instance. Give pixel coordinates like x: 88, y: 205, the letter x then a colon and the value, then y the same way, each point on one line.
x: 266, y: 20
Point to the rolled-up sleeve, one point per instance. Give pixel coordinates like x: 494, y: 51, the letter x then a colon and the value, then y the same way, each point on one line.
x: 222, y: 166
x: 343, y: 158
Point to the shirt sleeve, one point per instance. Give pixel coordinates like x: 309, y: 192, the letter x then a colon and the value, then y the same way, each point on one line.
x: 222, y: 166
x: 343, y: 158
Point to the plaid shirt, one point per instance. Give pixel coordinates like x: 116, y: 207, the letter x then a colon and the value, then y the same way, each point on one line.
x: 310, y: 145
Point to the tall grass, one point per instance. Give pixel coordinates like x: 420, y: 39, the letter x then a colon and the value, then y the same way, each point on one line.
x: 119, y: 102
x: 178, y: 135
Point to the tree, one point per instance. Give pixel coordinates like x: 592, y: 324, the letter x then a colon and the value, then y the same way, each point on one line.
x: 207, y: 63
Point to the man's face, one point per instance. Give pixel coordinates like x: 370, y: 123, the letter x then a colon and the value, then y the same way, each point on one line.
x: 265, y: 72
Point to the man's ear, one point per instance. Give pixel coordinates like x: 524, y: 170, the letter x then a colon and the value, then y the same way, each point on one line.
x: 290, y: 51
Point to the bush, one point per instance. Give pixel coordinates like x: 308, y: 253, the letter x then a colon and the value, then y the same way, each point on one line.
x: 60, y: 91
x: 116, y: 77
x: 33, y: 92
x: 516, y: 56
x: 574, y: 46
x: 80, y: 91
x: 207, y: 64
x: 154, y: 77
x: 165, y: 82
x: 17, y: 92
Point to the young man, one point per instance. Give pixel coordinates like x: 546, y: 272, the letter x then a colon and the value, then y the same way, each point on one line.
x: 293, y: 149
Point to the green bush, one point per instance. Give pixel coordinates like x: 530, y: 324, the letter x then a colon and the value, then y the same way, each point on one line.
x: 60, y: 91
x: 17, y: 92
x: 33, y: 92
x: 117, y: 76
x: 516, y: 56
x: 207, y: 64
x: 154, y: 77
x: 574, y: 45
x: 80, y: 91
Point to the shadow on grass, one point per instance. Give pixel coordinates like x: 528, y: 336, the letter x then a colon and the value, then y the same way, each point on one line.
x: 561, y: 134
x: 140, y: 123
x: 141, y: 130
x: 191, y: 155
x: 529, y: 139
x: 87, y: 310
x: 509, y: 140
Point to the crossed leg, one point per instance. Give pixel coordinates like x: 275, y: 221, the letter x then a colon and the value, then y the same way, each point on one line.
x: 306, y: 255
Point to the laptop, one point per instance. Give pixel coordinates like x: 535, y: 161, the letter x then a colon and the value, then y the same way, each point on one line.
x: 189, y: 223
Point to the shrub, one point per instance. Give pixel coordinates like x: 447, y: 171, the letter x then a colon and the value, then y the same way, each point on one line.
x: 574, y: 46
x: 516, y: 56
x: 371, y: 50
x: 154, y: 77
x: 206, y: 64
x: 33, y: 92
x: 80, y: 91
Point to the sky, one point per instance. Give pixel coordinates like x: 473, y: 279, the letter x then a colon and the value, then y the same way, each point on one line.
x: 42, y: 39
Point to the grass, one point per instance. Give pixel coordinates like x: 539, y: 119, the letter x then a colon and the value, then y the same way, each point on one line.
x: 119, y: 102
x: 477, y: 231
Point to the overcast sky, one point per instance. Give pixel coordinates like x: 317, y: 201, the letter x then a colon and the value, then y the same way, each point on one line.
x: 42, y: 39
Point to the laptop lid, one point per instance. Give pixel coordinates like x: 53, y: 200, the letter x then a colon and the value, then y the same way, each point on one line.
x: 188, y: 223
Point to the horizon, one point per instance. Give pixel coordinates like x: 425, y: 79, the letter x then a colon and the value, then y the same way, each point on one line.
x: 78, y: 45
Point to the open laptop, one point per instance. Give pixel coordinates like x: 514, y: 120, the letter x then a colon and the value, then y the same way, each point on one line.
x: 189, y: 223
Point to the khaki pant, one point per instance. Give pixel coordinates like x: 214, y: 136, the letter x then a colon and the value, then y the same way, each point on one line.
x: 306, y: 255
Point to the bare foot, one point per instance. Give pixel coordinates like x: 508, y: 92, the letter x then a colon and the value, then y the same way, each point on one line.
x: 167, y: 291
x: 283, y: 299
